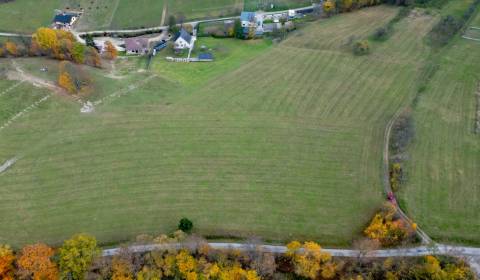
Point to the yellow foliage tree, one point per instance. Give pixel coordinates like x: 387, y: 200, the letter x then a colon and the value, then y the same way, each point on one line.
x: 46, y: 38
x: 329, y: 6
x: 121, y: 270
x: 185, y: 263
x: 6, y: 263
x: 385, y: 229
x: 11, y: 48
x: 311, y: 261
x: 347, y: 5
x: 76, y: 255
x: 65, y: 81
x: 149, y: 274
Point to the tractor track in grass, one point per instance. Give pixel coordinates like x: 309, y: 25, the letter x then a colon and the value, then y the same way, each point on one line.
x: 386, y: 177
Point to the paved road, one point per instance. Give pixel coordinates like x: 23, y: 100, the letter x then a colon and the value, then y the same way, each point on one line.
x: 3, y: 34
x: 472, y: 255
x: 404, y: 252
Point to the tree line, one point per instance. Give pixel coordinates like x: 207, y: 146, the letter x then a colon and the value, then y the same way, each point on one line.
x: 63, y: 46
x: 80, y: 258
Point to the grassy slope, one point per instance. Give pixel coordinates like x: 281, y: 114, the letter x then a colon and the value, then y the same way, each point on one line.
x: 138, y: 14
x: 285, y: 145
x: 97, y: 14
x: 25, y: 16
x: 192, y: 9
x: 443, y: 191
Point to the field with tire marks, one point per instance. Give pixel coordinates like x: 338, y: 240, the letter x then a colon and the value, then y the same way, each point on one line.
x: 443, y: 190
x: 286, y: 144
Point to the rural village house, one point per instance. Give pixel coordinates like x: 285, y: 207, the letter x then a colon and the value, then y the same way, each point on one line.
x: 136, y: 45
x: 252, y: 20
x: 184, y: 40
x: 64, y: 20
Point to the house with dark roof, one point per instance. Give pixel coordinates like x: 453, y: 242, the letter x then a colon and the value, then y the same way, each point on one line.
x: 184, y: 40
x: 252, y: 20
x: 137, y: 45
x: 64, y: 20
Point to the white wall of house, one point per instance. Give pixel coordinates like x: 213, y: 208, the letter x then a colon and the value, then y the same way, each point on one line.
x: 181, y: 44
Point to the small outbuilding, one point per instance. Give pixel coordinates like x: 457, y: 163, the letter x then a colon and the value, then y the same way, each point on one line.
x: 205, y: 57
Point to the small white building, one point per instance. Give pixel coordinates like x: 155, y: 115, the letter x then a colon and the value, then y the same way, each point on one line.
x: 184, y: 41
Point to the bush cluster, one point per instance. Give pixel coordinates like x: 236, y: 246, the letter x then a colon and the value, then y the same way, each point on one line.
x: 449, y: 26
x: 388, y: 228
x: 361, y: 47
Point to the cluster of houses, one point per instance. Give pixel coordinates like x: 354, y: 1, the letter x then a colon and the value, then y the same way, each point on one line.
x: 253, y: 25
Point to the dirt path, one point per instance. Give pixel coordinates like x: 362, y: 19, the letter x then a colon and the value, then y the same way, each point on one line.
x: 22, y: 76
x: 164, y: 13
x: 24, y: 112
x: 7, y: 164
x: 386, y: 176
x: 125, y: 91
x: 11, y: 88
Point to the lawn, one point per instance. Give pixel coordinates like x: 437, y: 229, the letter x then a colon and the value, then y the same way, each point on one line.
x: 25, y: 16
x: 229, y: 54
x: 443, y: 188
x: 254, y: 5
x: 137, y: 14
x: 279, y: 141
x: 98, y: 14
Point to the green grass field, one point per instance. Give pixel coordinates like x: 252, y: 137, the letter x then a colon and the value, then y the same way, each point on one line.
x: 443, y: 188
x: 25, y: 16
x: 254, y: 5
x: 278, y: 141
x: 18, y: 16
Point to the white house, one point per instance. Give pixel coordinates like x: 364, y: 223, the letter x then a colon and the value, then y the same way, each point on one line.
x: 184, y: 41
x: 64, y: 20
x: 252, y: 20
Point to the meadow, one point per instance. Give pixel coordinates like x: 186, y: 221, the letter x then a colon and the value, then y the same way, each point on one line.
x: 24, y: 16
x: 278, y: 141
x: 443, y: 183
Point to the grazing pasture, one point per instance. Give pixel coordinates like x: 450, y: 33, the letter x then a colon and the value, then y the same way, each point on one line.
x: 284, y: 142
x: 443, y: 189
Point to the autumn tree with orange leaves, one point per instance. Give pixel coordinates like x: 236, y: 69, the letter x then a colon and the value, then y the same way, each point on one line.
x: 36, y: 262
x: 6, y: 263
x: 388, y: 229
x: 110, y: 51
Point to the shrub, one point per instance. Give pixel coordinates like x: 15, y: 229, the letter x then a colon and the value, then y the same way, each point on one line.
x: 185, y: 225
x: 361, y: 47
x: 387, y: 228
x: 381, y: 34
